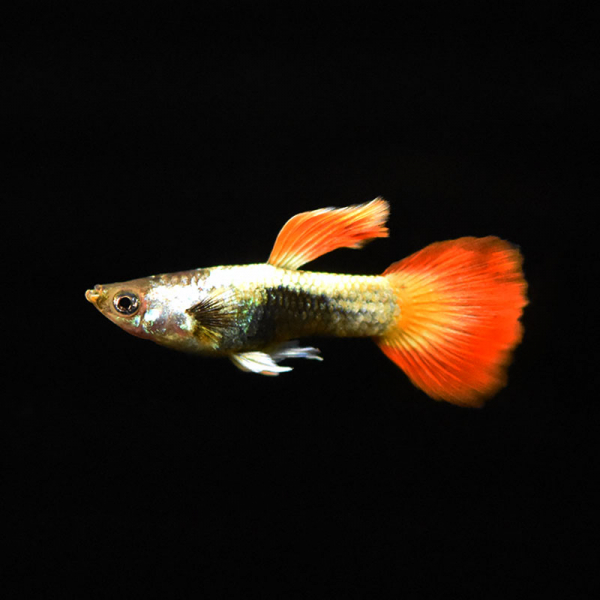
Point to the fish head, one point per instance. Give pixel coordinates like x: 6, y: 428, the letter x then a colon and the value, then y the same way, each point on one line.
x: 122, y: 303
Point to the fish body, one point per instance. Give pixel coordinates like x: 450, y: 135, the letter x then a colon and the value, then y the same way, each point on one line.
x: 447, y: 315
x: 255, y: 306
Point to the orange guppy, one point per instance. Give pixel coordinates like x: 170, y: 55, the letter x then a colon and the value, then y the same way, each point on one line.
x: 448, y: 315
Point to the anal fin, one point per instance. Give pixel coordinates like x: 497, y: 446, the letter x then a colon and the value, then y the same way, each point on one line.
x: 265, y: 362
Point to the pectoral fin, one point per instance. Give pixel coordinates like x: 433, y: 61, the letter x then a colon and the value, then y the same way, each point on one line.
x: 212, y: 316
x: 309, y: 235
x: 265, y: 363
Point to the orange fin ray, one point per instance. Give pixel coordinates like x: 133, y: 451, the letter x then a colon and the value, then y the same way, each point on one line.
x: 308, y: 235
x: 459, y: 307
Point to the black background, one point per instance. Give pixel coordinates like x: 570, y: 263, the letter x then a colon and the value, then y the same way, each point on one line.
x: 146, y: 140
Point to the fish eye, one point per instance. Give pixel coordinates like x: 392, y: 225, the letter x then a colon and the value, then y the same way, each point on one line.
x: 126, y: 303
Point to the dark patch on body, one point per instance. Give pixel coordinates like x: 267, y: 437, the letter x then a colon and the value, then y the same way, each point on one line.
x: 292, y: 313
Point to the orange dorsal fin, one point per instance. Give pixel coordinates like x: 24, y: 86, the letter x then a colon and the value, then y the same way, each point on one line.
x: 309, y: 235
x: 458, y: 320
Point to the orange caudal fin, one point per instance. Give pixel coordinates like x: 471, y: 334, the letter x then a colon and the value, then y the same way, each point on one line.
x: 460, y: 303
x: 309, y: 235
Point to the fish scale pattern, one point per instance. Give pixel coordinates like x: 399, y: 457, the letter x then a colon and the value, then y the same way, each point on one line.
x: 309, y: 303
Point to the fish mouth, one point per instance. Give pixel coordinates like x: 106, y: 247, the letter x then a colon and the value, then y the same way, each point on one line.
x: 94, y: 295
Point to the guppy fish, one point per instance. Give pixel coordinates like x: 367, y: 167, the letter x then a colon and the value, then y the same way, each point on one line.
x: 448, y: 315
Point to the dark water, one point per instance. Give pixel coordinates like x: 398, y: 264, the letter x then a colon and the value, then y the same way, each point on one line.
x: 147, y: 143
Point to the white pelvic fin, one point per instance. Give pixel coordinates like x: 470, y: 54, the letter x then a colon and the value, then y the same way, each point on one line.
x: 265, y: 363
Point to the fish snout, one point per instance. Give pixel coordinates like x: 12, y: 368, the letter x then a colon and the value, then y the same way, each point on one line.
x: 94, y: 295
